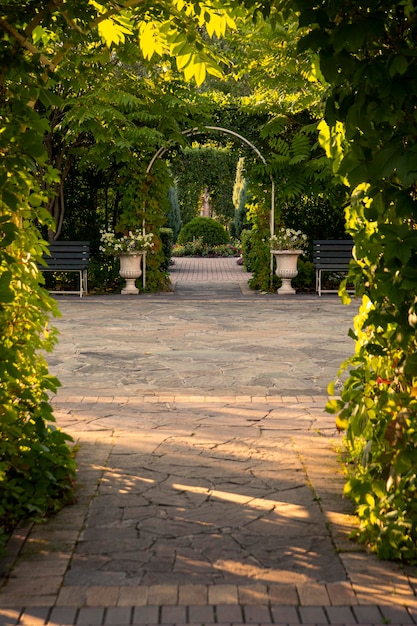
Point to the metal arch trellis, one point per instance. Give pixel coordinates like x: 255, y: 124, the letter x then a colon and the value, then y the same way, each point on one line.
x: 196, y: 131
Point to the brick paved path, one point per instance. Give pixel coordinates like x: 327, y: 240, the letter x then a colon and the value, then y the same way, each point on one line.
x: 209, y: 489
x: 200, y: 270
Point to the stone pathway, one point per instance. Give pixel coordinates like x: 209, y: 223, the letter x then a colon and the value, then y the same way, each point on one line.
x: 209, y: 487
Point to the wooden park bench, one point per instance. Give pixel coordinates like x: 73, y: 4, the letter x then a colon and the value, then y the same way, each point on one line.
x: 68, y: 256
x: 330, y: 255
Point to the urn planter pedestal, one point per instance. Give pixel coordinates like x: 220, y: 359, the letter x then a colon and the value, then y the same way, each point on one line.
x: 131, y: 270
x: 286, y: 269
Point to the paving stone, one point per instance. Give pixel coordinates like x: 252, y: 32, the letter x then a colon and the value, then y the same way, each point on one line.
x: 163, y: 594
x: 283, y: 594
x: 341, y: 593
x: 201, y: 614
x: 285, y: 615
x: 36, y: 616
x: 367, y: 614
x: 9, y: 617
x: 146, y: 615
x: 42, y: 585
x: 312, y: 615
x: 102, y: 596
x: 63, y: 615
x: 173, y: 614
x: 340, y: 614
x: 223, y: 594
x: 192, y: 594
x: 227, y: 613
x: 132, y: 596
x: 394, y: 614
x: 13, y: 601
x: 118, y: 616
x: 72, y: 596
x: 253, y: 594
x: 257, y: 614
x: 90, y: 615
x: 313, y: 594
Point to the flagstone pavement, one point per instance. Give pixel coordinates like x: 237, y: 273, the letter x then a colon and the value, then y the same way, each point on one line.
x: 209, y: 489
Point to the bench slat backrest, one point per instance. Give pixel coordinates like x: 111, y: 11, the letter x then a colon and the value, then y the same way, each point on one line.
x: 68, y: 255
x: 332, y: 253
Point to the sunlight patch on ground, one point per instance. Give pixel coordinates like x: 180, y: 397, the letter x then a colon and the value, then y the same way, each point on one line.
x: 293, y: 511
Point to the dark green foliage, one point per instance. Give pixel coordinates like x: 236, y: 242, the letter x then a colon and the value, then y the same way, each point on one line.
x: 37, y: 470
x: 240, y: 222
x: 367, y: 54
x: 262, y: 278
x: 316, y: 216
x: 247, y: 255
x: 174, y: 215
x: 255, y: 247
x: 103, y: 274
x: 37, y: 473
x: 206, y: 228
x: 211, y: 168
x: 306, y: 277
x: 167, y: 240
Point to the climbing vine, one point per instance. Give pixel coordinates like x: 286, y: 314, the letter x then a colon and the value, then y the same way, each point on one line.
x: 209, y: 169
x: 367, y: 55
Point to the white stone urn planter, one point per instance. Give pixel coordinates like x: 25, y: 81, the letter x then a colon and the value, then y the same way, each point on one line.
x: 286, y: 269
x: 131, y: 270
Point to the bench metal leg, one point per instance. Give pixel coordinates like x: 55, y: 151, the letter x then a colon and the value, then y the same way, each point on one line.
x: 318, y: 282
x: 84, y: 282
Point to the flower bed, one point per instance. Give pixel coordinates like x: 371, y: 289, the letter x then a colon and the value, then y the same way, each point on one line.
x: 197, y: 248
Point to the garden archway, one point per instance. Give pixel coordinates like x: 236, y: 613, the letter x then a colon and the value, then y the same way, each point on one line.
x: 198, y: 131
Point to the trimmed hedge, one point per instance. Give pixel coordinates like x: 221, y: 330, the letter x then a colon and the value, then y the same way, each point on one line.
x: 211, y: 232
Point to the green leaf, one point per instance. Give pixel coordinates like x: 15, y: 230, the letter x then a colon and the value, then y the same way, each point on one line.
x: 329, y: 66
x: 334, y: 406
x: 398, y: 65
x: 6, y: 293
x: 410, y: 367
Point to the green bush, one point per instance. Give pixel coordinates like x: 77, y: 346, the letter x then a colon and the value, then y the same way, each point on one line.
x: 246, y: 239
x: 211, y: 232
x: 198, y: 248
x: 306, y: 277
x: 255, y: 253
x: 167, y: 240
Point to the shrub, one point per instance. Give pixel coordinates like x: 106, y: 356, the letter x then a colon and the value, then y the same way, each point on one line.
x: 174, y: 214
x: 198, y: 248
x: 167, y: 240
x: 305, y: 279
x: 211, y: 232
x: 246, y: 238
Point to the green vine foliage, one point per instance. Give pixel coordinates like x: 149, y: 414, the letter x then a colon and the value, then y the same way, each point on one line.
x: 367, y: 55
x: 258, y: 214
x: 174, y: 216
x: 211, y: 167
x: 239, y: 198
x: 145, y: 201
x: 37, y: 470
